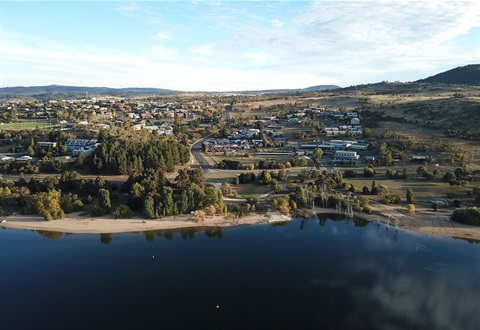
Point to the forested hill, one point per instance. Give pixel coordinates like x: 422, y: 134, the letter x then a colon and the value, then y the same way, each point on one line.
x: 464, y: 75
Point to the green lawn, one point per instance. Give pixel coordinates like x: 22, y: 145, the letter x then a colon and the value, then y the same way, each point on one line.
x: 25, y: 125
x: 251, y: 190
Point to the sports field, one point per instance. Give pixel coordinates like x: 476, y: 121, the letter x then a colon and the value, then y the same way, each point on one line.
x: 25, y: 125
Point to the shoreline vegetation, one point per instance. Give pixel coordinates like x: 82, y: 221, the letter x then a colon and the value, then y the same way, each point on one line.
x: 427, y: 223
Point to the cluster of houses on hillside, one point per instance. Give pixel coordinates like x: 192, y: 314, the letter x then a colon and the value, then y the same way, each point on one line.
x: 90, y: 111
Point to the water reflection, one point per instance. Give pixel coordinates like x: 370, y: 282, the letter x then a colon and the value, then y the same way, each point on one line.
x: 167, y: 234
x: 217, y: 232
x: 49, y: 234
x: 106, y: 238
x: 301, y: 274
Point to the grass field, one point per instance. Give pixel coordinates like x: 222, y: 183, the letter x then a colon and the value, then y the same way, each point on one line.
x: 423, y: 190
x: 251, y: 190
x: 26, y: 125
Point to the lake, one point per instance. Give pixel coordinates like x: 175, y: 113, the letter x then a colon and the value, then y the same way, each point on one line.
x: 316, y: 273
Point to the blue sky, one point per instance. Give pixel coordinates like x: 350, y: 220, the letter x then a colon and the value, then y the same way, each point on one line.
x: 233, y: 45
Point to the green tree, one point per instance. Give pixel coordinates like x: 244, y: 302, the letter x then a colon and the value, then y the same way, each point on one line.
x: 211, y: 196
x: 298, y: 161
x: 104, y: 205
x: 167, y: 201
x: 149, y: 208
x: 80, y: 160
x: 410, y: 196
x: 226, y: 189
x: 123, y: 212
x: 317, y: 154
x: 183, y: 205
x: 136, y: 196
x: 385, y: 155
x: 369, y: 171
x: 282, y: 175
x: 282, y: 205
x: 389, y: 173
x: 104, y: 199
x: 47, y: 204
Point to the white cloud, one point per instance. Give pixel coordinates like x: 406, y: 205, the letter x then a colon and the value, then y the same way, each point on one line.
x: 140, y: 10
x: 56, y: 63
x: 259, y: 57
x: 204, y: 50
x: 276, y: 23
x: 160, y: 52
x: 130, y: 7
x: 357, y: 41
x: 339, y: 43
x: 163, y: 35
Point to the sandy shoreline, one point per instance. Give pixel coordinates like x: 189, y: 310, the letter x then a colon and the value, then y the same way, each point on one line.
x: 75, y: 223
x: 423, y: 222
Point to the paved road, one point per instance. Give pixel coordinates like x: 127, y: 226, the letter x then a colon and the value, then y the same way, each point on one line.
x: 196, y: 149
x: 197, y: 153
x: 228, y: 115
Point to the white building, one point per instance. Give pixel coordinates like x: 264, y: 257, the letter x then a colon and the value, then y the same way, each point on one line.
x: 346, y: 155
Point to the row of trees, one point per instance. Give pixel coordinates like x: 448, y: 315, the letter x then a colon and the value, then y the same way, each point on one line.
x: 149, y: 193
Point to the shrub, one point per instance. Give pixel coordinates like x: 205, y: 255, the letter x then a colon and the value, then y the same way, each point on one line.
x: 368, y: 172
x: 411, y: 208
x: 392, y: 199
x: 349, y: 174
x: 468, y: 216
x: 123, y: 212
x: 367, y: 209
x: 389, y: 173
x: 400, y: 174
x: 99, y: 211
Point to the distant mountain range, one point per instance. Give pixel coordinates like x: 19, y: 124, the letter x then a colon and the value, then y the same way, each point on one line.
x: 72, y: 91
x: 312, y: 88
x: 463, y: 75
x: 59, y: 91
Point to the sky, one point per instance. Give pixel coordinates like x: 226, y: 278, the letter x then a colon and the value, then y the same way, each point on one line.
x: 233, y: 45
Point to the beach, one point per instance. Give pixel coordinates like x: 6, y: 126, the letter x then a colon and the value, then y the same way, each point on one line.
x: 76, y: 223
x: 423, y: 221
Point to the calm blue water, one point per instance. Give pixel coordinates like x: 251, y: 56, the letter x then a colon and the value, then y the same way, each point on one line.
x: 304, y: 275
